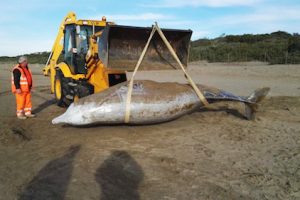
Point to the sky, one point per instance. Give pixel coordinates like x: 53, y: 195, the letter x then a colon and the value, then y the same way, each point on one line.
x: 28, y: 26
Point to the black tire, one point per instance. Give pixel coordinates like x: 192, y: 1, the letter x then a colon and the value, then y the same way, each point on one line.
x: 61, y: 84
x: 84, y: 90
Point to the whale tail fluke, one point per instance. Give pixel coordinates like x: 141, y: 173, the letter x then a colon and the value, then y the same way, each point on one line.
x: 253, y: 99
x: 258, y: 95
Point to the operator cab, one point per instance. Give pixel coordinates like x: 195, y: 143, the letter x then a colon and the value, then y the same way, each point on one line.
x: 76, y: 45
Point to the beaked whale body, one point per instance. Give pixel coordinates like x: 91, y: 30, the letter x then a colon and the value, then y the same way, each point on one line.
x: 151, y: 102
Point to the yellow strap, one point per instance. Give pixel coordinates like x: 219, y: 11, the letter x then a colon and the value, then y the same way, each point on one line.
x: 129, y: 91
x: 192, y: 83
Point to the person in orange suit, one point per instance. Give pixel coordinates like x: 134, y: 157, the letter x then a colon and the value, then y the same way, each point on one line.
x: 21, y: 85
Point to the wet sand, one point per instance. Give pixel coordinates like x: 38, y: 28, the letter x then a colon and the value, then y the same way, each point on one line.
x: 204, y: 155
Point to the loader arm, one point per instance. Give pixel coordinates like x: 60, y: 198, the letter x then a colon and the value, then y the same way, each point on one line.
x: 92, y: 57
x: 58, y: 44
x: 57, y: 48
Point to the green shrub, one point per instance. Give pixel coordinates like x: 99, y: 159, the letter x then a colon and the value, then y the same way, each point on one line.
x: 276, y: 48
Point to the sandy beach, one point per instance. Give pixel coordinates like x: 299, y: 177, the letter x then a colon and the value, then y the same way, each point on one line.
x: 210, y: 154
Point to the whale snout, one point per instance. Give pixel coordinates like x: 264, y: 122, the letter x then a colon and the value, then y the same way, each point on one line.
x: 66, y: 117
x: 74, y: 115
x: 58, y: 120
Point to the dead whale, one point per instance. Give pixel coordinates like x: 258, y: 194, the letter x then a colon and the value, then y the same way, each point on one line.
x: 151, y: 102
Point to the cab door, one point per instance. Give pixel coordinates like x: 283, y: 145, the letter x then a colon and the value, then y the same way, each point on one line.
x: 70, y: 47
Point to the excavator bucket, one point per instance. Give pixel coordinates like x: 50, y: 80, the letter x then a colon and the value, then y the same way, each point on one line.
x: 121, y: 46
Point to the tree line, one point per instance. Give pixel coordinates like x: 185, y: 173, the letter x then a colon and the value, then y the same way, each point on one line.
x: 39, y: 58
x: 276, y: 48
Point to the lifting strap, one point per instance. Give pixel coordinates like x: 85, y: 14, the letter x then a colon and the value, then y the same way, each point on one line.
x: 188, y: 77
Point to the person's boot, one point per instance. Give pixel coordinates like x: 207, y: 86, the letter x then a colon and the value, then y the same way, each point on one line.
x: 30, y: 115
x: 21, y: 116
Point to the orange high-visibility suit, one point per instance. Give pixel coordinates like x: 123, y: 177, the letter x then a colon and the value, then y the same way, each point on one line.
x: 25, y: 84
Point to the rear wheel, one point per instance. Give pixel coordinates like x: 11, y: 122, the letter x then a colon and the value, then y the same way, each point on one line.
x: 76, y: 98
x: 58, y: 89
x: 61, y: 89
x: 83, y: 90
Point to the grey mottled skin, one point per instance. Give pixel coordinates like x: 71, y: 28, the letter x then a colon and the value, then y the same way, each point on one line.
x: 151, y: 102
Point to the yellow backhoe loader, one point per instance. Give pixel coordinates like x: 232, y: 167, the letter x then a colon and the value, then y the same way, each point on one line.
x: 97, y: 54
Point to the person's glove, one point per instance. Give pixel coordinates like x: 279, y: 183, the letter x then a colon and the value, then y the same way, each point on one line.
x: 18, y: 91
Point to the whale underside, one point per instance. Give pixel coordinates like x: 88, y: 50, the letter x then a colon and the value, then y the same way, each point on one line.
x: 151, y: 102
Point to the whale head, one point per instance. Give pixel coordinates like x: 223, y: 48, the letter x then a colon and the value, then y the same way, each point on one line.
x: 91, y: 113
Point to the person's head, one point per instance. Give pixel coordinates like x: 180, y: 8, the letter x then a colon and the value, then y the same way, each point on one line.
x: 23, y: 61
x: 104, y: 18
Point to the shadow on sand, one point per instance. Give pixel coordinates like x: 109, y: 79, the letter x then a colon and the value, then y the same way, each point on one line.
x: 43, y: 106
x: 52, y: 180
x: 119, y: 177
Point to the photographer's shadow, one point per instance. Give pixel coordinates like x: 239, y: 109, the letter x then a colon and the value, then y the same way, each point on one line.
x: 53, y: 180
x: 119, y: 177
